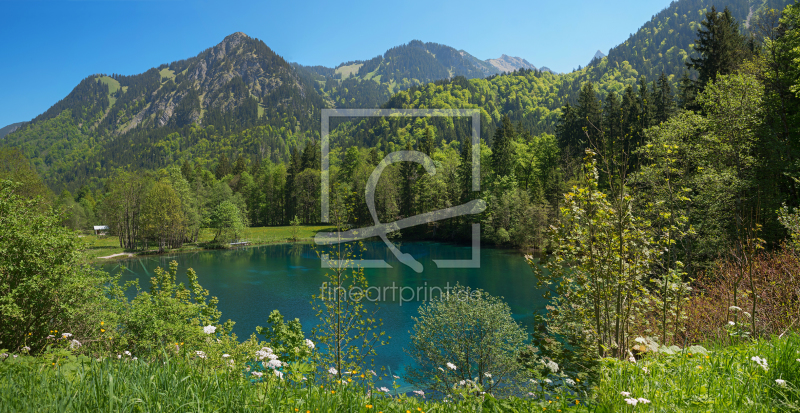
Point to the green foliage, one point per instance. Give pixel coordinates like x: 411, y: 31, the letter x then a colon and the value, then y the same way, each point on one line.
x: 43, y: 287
x: 286, y: 339
x: 720, y: 46
x: 473, y: 332
x: 725, y: 378
x: 600, y: 261
x: 170, y: 315
x: 227, y: 219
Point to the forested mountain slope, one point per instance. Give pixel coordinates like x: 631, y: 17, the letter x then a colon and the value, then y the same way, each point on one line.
x: 145, y: 120
x: 241, y: 99
x: 5, y: 130
x: 370, y: 83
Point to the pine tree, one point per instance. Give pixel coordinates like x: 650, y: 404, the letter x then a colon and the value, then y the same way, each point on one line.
x: 407, y: 172
x: 427, y: 144
x: 240, y: 166
x: 465, y: 170
x: 664, y: 103
x: 502, y: 156
x: 589, y: 116
x: 720, y: 47
x: 223, y: 167
x: 187, y: 172
x: 686, y: 92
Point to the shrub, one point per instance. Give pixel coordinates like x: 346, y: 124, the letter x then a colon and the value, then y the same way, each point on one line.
x: 43, y: 288
x: 466, y: 338
x: 777, y: 291
x: 170, y: 314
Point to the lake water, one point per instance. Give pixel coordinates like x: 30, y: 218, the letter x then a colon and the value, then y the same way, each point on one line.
x: 251, y: 282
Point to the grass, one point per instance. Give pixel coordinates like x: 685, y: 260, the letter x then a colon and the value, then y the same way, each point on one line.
x: 113, y: 87
x: 183, y: 385
x: 347, y: 70
x: 167, y: 73
x: 102, y: 246
x: 725, y: 379
x: 721, y: 380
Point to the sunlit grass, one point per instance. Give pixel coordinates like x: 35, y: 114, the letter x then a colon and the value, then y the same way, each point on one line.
x: 726, y: 379
x: 103, y: 246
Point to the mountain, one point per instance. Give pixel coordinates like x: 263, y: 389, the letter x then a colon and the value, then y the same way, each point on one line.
x: 109, y: 121
x: 241, y: 99
x: 509, y: 63
x: 599, y: 55
x: 370, y: 83
x: 8, y: 129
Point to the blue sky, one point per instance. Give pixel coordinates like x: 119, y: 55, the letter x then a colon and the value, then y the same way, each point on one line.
x: 47, y: 47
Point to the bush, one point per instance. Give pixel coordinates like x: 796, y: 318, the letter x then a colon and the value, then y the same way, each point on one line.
x: 777, y: 290
x: 170, y: 314
x: 43, y: 288
x: 466, y: 338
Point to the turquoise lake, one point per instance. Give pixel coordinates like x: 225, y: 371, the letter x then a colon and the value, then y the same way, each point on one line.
x: 251, y: 282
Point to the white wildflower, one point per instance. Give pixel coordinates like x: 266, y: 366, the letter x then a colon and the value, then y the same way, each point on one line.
x: 274, y: 364
x: 624, y: 393
x: 734, y: 308
x: 642, y: 400
x: 761, y: 362
x: 548, y: 381
x: 781, y: 382
x: 257, y: 373
x: 641, y: 340
x: 261, y: 355
x: 26, y: 348
x: 372, y: 372
x: 119, y: 356
x: 15, y: 355
x: 209, y: 329
x: 746, y: 314
x: 632, y: 402
x: 553, y: 366
x: 200, y: 354
x: 278, y: 374
x: 645, y: 370
x: 72, y: 344
x: 570, y: 382
x: 226, y: 356
x: 396, y: 377
x: 51, y: 336
x: 66, y: 335
x: 419, y: 393
x: 487, y: 375
x: 462, y: 382
x: 136, y: 358
x: 309, y: 344
x: 731, y: 323
x: 451, y: 366
x: 332, y: 370
x: 127, y: 353
x: 384, y: 389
